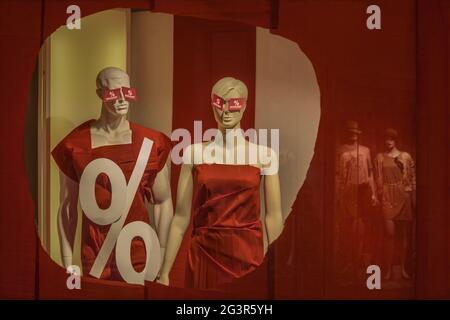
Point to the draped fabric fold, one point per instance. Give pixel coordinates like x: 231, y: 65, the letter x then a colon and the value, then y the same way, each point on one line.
x: 227, y: 238
x: 75, y: 152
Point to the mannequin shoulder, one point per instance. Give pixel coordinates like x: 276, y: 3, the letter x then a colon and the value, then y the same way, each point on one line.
x: 152, y: 134
x: 364, y: 149
x: 193, y: 153
x: 144, y: 131
x: 405, y: 156
x: 81, y: 129
x: 267, y: 158
x: 79, y: 136
x: 341, y: 151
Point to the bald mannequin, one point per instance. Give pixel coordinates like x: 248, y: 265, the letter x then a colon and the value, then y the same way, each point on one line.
x: 110, y: 129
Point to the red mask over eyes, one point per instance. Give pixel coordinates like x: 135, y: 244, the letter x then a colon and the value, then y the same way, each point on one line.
x: 233, y: 104
x: 114, y: 94
x: 129, y: 93
x: 236, y: 104
x: 218, y: 102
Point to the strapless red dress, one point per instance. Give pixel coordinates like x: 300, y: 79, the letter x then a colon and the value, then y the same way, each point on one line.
x: 74, y: 153
x: 227, y: 237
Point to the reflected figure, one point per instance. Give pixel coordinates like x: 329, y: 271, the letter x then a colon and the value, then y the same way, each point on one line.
x: 396, y: 185
x: 355, y: 195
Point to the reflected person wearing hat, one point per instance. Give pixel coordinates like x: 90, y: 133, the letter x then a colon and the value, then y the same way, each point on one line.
x: 355, y: 194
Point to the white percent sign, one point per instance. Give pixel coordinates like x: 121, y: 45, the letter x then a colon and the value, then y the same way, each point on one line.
x: 122, y: 196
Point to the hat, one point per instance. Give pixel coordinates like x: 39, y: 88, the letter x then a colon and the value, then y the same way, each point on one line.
x: 352, y: 126
x: 390, y: 134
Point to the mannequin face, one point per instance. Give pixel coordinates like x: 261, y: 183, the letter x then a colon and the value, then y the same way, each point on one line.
x: 390, y: 143
x: 115, y: 79
x: 226, y: 118
x: 352, y: 137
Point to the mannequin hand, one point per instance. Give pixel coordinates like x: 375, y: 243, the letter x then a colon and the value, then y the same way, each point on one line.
x: 163, y: 279
x: 374, y: 200
x: 67, y: 261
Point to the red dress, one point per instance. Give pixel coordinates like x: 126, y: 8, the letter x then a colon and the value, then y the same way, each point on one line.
x: 74, y: 153
x: 227, y: 238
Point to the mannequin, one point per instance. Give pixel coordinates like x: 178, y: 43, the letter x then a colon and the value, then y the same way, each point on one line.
x: 396, y: 185
x: 223, y: 194
x: 355, y: 193
x: 111, y: 137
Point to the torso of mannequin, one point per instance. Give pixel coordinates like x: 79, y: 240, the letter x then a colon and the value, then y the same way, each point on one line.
x: 360, y: 154
x: 239, y: 152
x: 406, y: 161
x: 359, y: 158
x: 273, y: 216
x: 352, y: 148
x: 393, y: 153
x: 113, y: 136
x: 69, y: 190
x: 111, y: 129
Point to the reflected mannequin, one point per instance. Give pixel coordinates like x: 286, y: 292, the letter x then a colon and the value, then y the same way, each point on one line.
x: 113, y: 138
x: 355, y: 194
x: 223, y: 194
x: 396, y: 183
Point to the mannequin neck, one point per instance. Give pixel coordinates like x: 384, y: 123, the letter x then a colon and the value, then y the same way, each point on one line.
x: 234, y: 133
x: 224, y: 130
x: 110, y: 122
x: 353, y: 143
x: 393, y: 151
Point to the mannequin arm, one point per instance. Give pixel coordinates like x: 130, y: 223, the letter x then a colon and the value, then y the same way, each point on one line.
x: 155, y: 217
x: 373, y: 189
x: 180, y: 222
x: 378, y: 176
x: 273, y: 218
x: 371, y: 178
x: 67, y: 217
x: 163, y: 210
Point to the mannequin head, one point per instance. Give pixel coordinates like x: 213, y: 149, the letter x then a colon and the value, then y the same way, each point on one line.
x: 390, y: 139
x: 352, y: 131
x: 113, y: 78
x: 229, y: 88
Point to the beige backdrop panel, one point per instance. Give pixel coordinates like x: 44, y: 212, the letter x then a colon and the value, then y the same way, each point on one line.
x: 152, y: 69
x: 288, y: 99
x: 76, y: 58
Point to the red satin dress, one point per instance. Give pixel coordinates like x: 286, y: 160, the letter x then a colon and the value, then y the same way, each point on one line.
x: 227, y: 237
x: 74, y: 153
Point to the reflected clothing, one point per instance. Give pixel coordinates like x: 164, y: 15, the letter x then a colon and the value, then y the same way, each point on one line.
x: 227, y: 237
x: 396, y: 182
x: 75, y: 152
x: 353, y: 180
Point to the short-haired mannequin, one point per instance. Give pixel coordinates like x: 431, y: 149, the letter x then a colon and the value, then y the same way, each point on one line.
x: 227, y: 239
x: 396, y: 186
x: 114, y: 138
